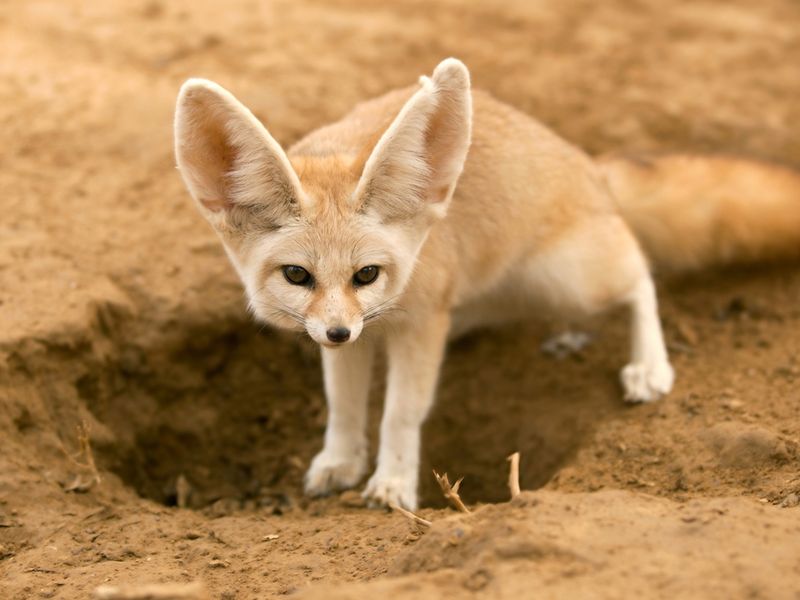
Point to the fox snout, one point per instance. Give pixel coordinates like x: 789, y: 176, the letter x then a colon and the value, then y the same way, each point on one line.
x: 334, y: 318
x: 334, y: 334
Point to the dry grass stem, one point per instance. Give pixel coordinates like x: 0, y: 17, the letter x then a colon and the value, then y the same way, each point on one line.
x: 409, y: 515
x: 83, y: 459
x: 183, y: 491
x: 513, y: 475
x: 170, y: 591
x: 451, y: 491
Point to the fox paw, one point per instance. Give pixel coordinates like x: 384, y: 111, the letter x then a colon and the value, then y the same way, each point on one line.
x: 647, y: 383
x: 331, y: 472
x: 384, y: 490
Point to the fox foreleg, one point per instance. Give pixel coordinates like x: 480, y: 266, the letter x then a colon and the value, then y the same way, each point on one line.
x: 342, y: 463
x: 415, y: 353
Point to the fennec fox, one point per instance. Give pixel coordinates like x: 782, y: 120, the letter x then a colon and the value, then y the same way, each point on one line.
x: 434, y: 209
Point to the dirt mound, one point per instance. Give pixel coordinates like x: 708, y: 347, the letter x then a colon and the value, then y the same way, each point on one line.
x: 595, y: 545
x: 118, y: 310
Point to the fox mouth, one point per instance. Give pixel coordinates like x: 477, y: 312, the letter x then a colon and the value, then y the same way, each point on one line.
x: 333, y: 344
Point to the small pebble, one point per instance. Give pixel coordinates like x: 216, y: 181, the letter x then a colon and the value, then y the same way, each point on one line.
x: 733, y: 404
x: 217, y: 564
x: 352, y: 499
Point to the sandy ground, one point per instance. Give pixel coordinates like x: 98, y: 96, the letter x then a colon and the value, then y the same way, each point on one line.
x: 118, y: 310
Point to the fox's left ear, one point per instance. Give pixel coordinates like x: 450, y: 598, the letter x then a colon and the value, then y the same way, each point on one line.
x: 233, y: 167
x: 415, y: 165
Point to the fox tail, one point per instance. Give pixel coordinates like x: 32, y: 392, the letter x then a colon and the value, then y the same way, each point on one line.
x: 696, y: 211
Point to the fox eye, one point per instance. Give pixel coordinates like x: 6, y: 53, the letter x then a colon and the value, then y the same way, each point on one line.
x: 366, y: 275
x: 297, y: 275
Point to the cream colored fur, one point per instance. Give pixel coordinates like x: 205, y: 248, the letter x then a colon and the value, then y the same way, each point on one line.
x: 473, y: 212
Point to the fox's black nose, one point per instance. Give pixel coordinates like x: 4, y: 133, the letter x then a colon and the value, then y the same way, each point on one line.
x: 338, y: 334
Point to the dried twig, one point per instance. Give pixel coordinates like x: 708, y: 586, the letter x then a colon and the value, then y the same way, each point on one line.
x: 409, y: 515
x: 451, y: 491
x: 513, y: 474
x: 183, y: 491
x: 84, y: 461
x: 172, y: 591
x: 86, y: 451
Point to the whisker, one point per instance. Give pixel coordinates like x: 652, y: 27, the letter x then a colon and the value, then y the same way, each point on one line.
x: 380, y: 310
x: 282, y: 310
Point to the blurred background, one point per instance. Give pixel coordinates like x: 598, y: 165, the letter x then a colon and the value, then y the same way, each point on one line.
x: 87, y: 92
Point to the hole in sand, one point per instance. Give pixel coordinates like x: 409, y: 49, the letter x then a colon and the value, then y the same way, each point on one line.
x: 227, y: 414
x: 233, y: 415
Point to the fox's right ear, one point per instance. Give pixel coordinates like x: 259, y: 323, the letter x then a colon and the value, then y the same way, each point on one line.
x: 233, y: 167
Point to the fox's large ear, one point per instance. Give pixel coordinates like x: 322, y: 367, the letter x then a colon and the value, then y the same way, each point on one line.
x: 233, y: 167
x: 416, y: 163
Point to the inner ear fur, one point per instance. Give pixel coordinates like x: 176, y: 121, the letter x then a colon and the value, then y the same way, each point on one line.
x: 416, y: 163
x: 232, y: 166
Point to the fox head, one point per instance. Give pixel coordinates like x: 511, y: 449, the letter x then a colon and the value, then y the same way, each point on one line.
x: 324, y: 242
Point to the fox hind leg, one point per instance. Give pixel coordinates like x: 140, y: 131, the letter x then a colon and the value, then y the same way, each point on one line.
x: 598, y: 266
x: 649, y: 375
